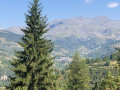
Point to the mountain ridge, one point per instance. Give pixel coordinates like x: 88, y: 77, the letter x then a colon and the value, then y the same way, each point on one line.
x: 87, y: 35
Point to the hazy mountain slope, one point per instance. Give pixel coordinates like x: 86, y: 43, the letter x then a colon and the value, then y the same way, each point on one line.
x: 9, y: 36
x: 15, y: 29
x: 7, y: 46
x: 101, y: 27
x: 93, y: 37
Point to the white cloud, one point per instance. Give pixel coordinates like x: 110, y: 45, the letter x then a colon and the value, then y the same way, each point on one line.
x: 88, y: 0
x: 112, y: 4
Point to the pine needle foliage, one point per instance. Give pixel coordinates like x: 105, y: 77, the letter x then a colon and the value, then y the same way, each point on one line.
x: 33, y: 65
x: 108, y: 82
x: 117, y: 78
x: 78, y: 78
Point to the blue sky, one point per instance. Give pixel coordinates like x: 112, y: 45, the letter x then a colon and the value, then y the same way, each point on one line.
x: 12, y: 11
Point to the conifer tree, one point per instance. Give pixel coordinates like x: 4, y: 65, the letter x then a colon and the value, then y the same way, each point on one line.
x: 33, y: 65
x: 118, y: 68
x: 108, y: 82
x: 78, y: 78
x: 96, y: 87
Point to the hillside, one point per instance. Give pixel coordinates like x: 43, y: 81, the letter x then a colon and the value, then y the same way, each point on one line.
x: 8, y: 43
x: 93, y: 37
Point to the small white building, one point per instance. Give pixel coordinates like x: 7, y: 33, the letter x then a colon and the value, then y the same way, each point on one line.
x: 4, y: 77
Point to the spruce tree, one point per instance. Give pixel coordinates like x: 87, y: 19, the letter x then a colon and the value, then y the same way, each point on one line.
x: 117, y: 78
x: 33, y: 65
x: 96, y: 87
x: 108, y: 82
x: 78, y: 78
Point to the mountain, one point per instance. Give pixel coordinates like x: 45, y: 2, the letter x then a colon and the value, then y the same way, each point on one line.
x: 92, y: 37
x: 85, y: 28
x: 15, y: 29
x: 8, y: 43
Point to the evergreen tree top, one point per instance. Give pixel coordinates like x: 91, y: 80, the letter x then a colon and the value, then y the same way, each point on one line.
x: 33, y: 65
